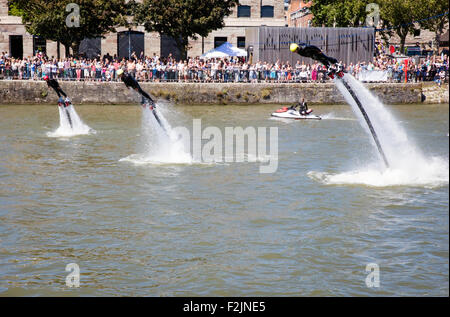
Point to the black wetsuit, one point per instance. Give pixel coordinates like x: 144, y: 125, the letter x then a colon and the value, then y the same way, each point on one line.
x: 303, y: 108
x: 315, y: 53
x: 54, y: 84
x: 131, y: 82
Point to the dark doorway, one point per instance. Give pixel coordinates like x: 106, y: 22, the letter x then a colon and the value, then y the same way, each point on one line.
x: 91, y: 48
x: 16, y: 46
x: 129, y: 42
x: 39, y: 45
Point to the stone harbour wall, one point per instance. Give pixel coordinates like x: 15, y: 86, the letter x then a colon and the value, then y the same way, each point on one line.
x: 36, y: 93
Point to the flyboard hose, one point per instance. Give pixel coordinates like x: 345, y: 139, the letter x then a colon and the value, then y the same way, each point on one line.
x: 153, y: 109
x: 64, y: 105
x: 369, y: 123
x: 70, y: 119
x: 157, y: 118
x: 61, y: 101
x: 316, y: 54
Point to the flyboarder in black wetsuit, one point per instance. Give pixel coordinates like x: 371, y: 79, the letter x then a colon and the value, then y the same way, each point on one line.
x: 313, y: 52
x: 131, y: 82
x: 61, y: 102
x: 54, y: 84
x: 316, y: 53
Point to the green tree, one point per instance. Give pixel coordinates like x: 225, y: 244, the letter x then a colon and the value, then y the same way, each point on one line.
x: 13, y: 10
x: 48, y: 18
x: 398, y: 16
x: 183, y: 19
x: 345, y: 13
x: 435, y: 17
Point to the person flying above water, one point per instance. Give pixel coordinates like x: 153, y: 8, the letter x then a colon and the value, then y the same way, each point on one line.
x: 313, y: 52
x: 55, y: 85
x: 131, y: 82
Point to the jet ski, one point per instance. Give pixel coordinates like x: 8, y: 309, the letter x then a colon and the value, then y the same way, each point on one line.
x: 287, y: 113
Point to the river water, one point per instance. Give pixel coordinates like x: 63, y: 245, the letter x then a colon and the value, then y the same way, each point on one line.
x: 139, y: 227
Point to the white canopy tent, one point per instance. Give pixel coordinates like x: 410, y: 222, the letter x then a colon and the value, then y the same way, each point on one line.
x: 225, y: 50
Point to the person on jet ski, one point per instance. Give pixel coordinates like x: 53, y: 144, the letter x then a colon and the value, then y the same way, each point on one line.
x: 303, y: 109
x: 55, y: 85
x: 130, y: 81
x: 313, y: 52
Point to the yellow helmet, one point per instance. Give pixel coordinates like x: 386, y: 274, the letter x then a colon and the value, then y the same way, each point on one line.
x: 293, y: 47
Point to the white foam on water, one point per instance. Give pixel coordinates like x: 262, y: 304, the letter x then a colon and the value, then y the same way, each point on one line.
x: 258, y: 158
x: 431, y: 175
x: 160, y: 145
x: 332, y: 116
x: 65, y: 130
x: 408, y: 165
x: 284, y: 120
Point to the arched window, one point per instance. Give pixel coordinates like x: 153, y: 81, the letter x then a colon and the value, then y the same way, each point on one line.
x: 91, y: 47
x: 130, y: 42
x: 267, y: 12
x: 244, y: 11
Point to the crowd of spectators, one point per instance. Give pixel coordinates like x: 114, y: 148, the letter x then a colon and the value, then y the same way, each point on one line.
x: 233, y: 69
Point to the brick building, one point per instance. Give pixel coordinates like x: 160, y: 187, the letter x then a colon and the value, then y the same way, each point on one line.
x: 15, y: 40
x: 249, y: 14
x: 299, y: 13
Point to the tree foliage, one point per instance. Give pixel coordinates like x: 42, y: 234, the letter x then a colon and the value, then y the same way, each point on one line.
x: 397, y: 16
x: 184, y: 19
x: 47, y: 18
x: 345, y: 13
x: 435, y: 16
x: 13, y: 10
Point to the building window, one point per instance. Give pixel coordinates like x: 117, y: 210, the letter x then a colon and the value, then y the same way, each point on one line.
x: 218, y: 41
x: 244, y: 11
x: 267, y: 12
x: 241, y: 42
